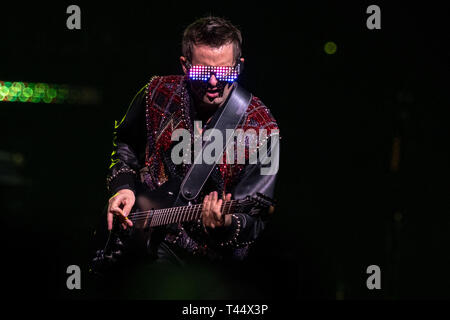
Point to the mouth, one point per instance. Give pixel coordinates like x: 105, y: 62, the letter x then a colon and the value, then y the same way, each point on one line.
x: 212, y: 94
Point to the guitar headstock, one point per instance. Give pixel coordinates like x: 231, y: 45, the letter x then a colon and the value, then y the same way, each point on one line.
x: 257, y: 204
x: 262, y: 200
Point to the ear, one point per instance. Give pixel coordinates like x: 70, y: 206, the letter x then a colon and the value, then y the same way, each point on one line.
x: 242, y: 60
x: 183, y: 62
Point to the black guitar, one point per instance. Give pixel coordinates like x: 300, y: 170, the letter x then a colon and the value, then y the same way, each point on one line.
x: 150, y: 213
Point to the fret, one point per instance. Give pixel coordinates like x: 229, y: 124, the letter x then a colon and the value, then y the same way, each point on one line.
x: 158, y: 218
x: 152, y: 216
x: 183, y: 212
x: 169, y: 214
x: 223, y: 208
x: 198, y: 211
x: 175, y: 214
x: 153, y: 223
x: 161, y: 217
x: 165, y: 216
x: 179, y: 216
x: 227, y: 209
x: 193, y: 212
x: 147, y: 217
x: 187, y: 213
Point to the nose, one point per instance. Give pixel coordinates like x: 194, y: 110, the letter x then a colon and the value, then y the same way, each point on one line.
x: 213, y: 81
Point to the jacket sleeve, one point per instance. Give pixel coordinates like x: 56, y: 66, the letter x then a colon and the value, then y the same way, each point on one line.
x: 129, y: 141
x: 260, y: 177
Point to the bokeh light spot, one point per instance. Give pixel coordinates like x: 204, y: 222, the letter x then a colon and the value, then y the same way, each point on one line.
x: 330, y: 47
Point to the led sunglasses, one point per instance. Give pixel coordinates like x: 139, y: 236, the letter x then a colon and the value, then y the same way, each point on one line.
x: 203, y: 73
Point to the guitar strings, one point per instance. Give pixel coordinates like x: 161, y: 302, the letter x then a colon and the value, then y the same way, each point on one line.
x: 178, y: 209
x: 167, y: 212
x: 174, y: 214
x: 175, y: 211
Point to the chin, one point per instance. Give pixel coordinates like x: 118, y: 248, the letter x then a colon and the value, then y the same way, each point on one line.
x: 215, y: 102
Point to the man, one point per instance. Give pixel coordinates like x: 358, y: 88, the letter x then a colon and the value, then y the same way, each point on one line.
x: 141, y: 159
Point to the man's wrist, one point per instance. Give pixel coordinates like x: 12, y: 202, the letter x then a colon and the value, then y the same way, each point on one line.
x: 124, y: 178
x: 122, y: 189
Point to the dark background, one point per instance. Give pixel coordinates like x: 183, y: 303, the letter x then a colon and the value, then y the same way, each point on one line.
x: 342, y: 206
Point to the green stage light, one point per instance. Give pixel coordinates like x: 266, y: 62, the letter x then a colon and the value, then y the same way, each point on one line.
x: 35, y: 99
x: 63, y: 91
x: 330, y: 47
x: 4, y: 91
x: 39, y: 90
x: 47, y: 99
x: 47, y: 93
x: 27, y: 92
x: 52, y: 93
x: 22, y: 97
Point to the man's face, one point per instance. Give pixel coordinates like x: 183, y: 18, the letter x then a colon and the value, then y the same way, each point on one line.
x: 211, y: 93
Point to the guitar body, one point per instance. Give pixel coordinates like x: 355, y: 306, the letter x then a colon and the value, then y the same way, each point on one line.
x: 111, y: 248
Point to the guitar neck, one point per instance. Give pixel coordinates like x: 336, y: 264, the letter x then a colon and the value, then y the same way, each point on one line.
x: 160, y: 217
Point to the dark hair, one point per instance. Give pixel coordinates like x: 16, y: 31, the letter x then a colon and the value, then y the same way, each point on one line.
x: 211, y: 31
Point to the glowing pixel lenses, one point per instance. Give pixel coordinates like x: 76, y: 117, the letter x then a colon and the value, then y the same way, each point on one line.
x: 203, y: 73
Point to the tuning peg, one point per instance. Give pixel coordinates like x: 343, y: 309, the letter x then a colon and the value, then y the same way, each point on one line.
x: 265, y: 197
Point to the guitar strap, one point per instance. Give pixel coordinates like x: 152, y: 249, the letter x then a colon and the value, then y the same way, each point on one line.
x: 230, y: 117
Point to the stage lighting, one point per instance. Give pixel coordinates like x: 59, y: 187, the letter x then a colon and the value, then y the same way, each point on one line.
x: 330, y: 47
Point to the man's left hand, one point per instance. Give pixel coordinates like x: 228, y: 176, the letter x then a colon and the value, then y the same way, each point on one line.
x: 211, y: 213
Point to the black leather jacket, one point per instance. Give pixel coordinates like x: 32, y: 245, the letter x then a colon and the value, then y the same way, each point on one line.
x: 128, y: 158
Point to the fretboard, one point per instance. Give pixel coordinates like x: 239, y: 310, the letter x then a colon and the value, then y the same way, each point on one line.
x: 160, y: 217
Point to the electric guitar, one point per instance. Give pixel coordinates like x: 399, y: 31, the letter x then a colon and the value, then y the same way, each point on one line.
x: 149, y: 215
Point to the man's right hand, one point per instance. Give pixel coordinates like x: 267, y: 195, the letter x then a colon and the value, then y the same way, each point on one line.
x: 120, y: 205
